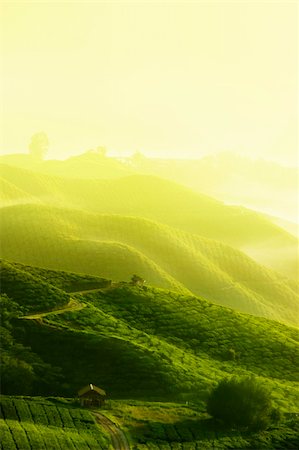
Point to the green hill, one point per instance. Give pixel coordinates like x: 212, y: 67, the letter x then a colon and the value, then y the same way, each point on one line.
x: 136, y: 342
x: 116, y: 247
x: 169, y: 203
x: 147, y: 343
x: 255, y: 183
x: 30, y: 291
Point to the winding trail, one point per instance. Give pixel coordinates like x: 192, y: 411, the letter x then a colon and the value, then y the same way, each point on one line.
x: 118, y: 438
x: 73, y: 305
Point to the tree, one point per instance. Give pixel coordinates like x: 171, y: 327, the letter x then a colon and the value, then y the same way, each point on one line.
x: 241, y: 403
x: 38, y: 146
x: 137, y: 280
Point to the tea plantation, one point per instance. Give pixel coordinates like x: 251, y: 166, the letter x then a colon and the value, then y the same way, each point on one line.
x: 164, y: 350
x: 44, y: 424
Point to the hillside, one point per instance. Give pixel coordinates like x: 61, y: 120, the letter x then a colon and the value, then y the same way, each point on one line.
x: 151, y: 343
x: 165, y: 202
x: 255, y: 183
x: 88, y: 165
x: 116, y: 247
x: 31, y: 292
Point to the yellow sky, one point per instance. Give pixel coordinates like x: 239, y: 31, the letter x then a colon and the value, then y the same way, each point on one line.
x: 165, y: 78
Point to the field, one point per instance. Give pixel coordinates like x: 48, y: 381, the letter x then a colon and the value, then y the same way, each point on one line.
x: 48, y: 424
x: 34, y: 423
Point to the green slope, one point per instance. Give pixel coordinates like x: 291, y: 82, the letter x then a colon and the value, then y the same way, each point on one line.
x: 115, y: 247
x: 30, y: 291
x: 150, y: 343
x: 169, y: 203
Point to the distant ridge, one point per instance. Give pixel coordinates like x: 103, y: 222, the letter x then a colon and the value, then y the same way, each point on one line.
x: 169, y: 203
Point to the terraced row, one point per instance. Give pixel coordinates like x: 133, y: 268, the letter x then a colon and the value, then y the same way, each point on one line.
x: 27, y: 424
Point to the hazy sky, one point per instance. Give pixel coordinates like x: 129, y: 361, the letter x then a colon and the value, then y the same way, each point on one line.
x: 165, y: 78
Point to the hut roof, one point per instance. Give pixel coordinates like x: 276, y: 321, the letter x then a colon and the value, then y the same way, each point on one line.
x: 91, y: 387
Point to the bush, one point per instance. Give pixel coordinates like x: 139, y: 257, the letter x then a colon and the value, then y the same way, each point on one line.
x: 241, y: 403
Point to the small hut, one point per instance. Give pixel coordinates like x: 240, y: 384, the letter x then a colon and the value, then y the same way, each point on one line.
x: 91, y: 395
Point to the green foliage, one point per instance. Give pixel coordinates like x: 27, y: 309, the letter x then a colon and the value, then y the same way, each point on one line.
x: 30, y: 292
x: 198, y: 327
x: 22, y: 371
x: 146, y: 343
x: 67, y: 281
x: 36, y: 423
x: 242, y: 403
x: 170, y: 426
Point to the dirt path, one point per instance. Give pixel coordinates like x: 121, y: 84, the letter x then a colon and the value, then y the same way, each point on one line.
x: 88, y: 291
x: 118, y: 438
x: 73, y: 305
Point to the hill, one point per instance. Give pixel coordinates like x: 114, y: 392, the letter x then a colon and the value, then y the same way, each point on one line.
x: 116, y: 247
x: 255, y: 183
x: 165, y: 202
x: 89, y: 165
x: 149, y: 343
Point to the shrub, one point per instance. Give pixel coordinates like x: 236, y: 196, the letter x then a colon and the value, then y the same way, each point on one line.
x: 241, y: 403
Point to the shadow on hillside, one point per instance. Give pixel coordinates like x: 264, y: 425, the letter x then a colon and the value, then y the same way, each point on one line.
x: 181, y: 431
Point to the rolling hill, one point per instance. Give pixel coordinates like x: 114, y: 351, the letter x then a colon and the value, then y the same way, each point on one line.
x: 162, y: 349
x: 254, y: 183
x: 259, y: 184
x: 165, y: 202
x: 116, y: 247
x: 151, y: 343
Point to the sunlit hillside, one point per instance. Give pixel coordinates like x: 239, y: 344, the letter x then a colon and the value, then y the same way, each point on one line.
x: 163, y: 201
x: 117, y: 246
x: 259, y: 184
x: 146, y: 342
x: 255, y: 183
